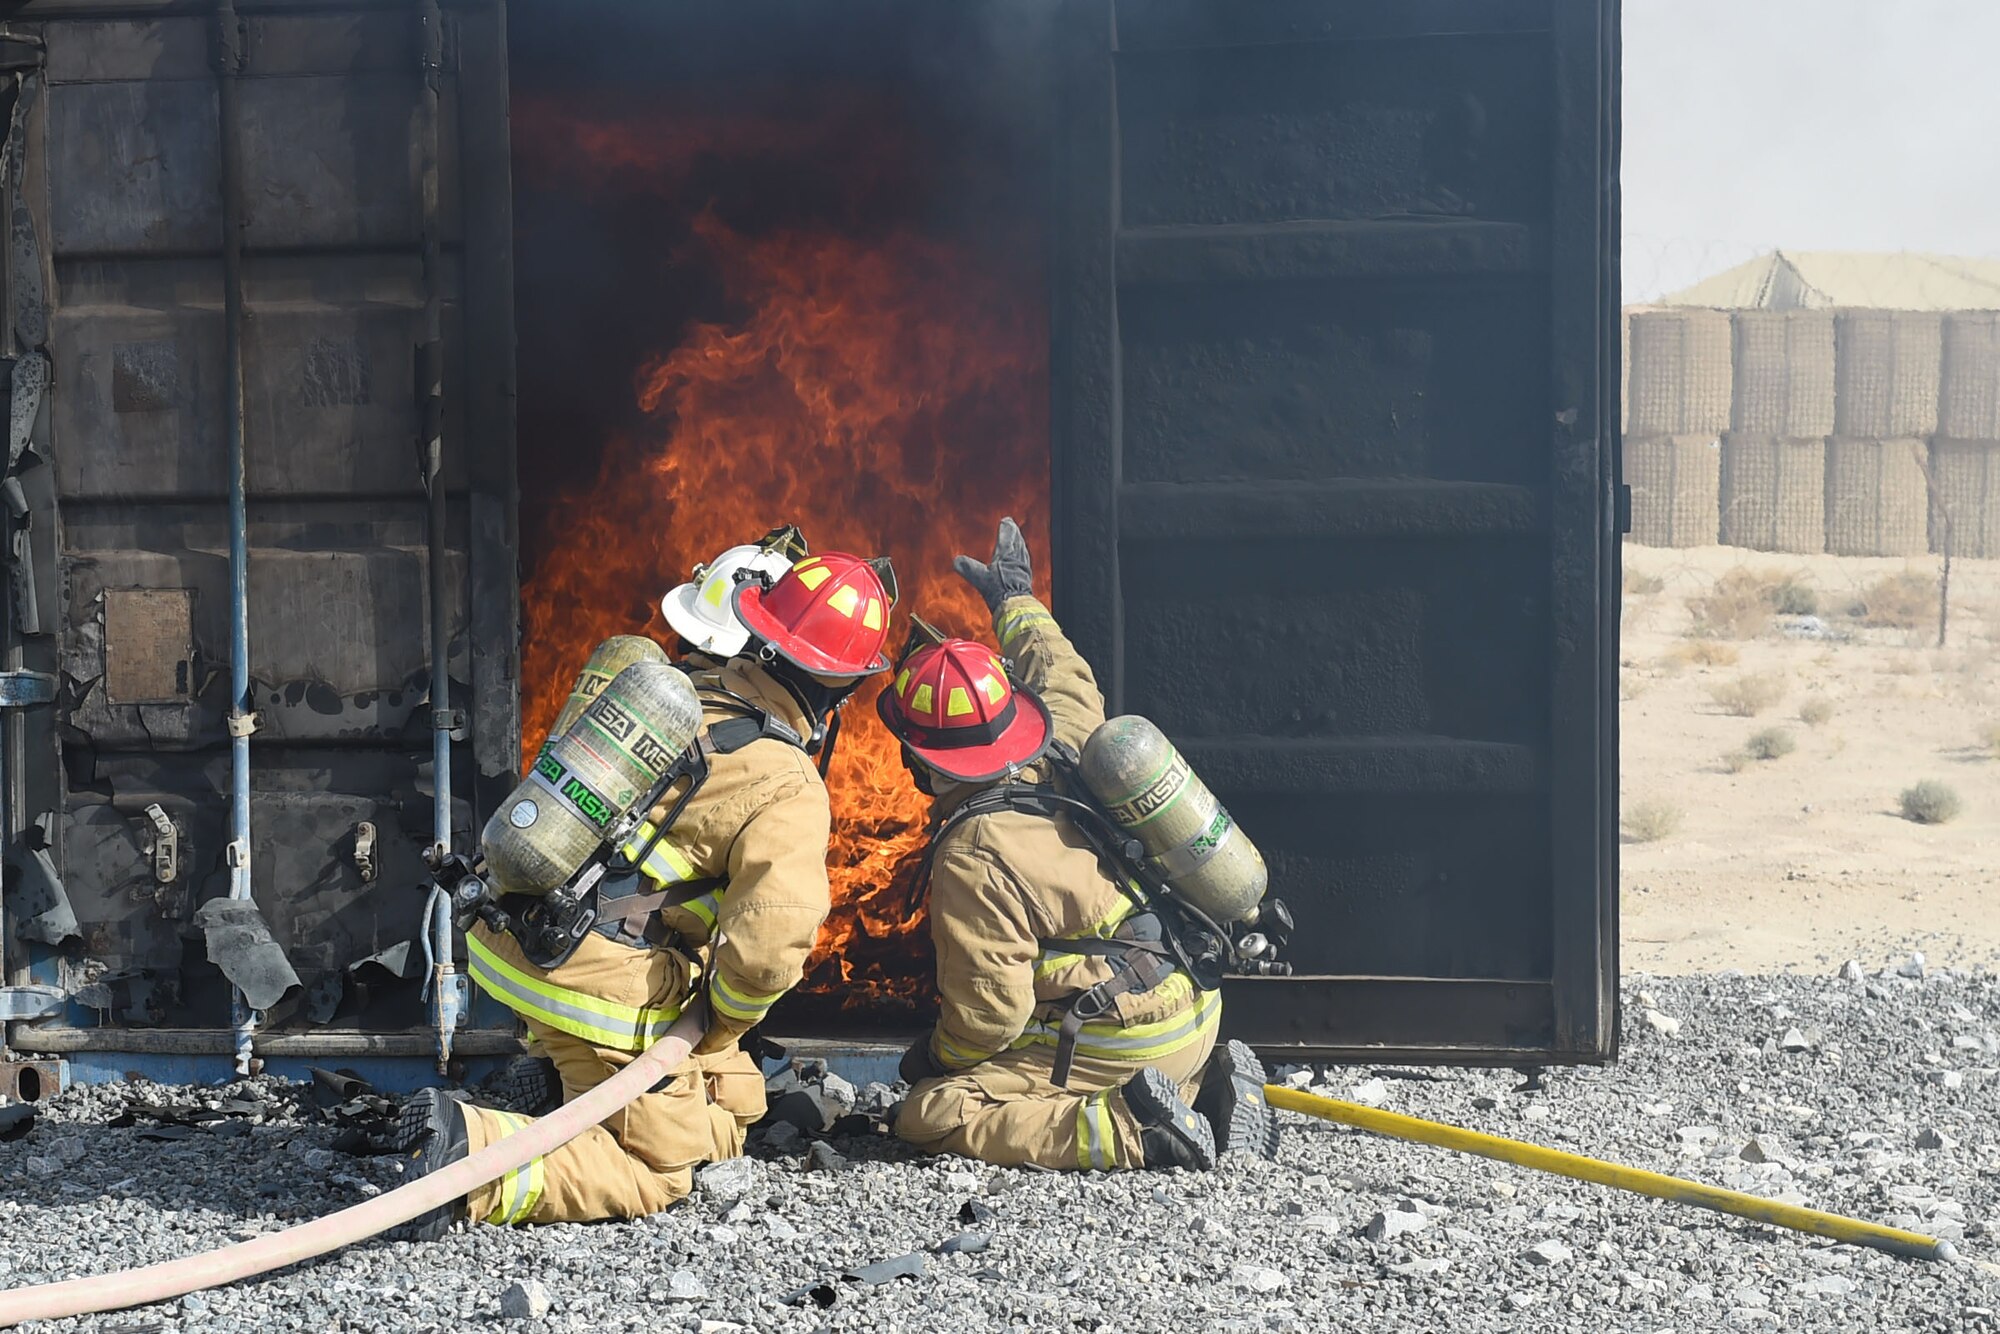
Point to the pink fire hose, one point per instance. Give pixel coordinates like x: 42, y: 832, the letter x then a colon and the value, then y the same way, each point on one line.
x: 174, y: 1278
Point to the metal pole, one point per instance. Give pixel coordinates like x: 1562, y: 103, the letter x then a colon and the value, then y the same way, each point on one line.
x: 242, y: 720
x: 447, y: 996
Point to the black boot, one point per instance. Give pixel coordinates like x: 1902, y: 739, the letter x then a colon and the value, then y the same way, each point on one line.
x: 527, y: 1084
x: 433, y: 1125
x: 1171, y: 1133
x: 1232, y: 1098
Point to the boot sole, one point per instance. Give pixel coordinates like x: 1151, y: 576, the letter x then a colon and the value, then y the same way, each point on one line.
x: 1156, y: 1102
x: 422, y: 1127
x: 528, y: 1085
x: 1232, y: 1099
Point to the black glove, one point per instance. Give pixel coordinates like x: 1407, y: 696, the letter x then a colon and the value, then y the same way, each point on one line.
x: 917, y: 1065
x: 1007, y: 575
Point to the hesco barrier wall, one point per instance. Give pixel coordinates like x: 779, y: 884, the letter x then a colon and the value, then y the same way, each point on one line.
x: 1892, y: 407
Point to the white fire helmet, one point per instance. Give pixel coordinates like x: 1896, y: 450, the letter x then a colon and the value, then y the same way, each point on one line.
x: 700, y: 611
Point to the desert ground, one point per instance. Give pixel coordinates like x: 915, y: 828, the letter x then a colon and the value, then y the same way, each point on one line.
x: 1774, y: 709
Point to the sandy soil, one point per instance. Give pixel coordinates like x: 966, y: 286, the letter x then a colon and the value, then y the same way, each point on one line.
x: 1803, y: 861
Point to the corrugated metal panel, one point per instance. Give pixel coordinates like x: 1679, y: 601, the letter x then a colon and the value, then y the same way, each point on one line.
x: 125, y: 188
x: 1335, y: 458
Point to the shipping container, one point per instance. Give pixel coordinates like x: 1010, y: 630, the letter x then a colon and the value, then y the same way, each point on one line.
x: 1288, y: 330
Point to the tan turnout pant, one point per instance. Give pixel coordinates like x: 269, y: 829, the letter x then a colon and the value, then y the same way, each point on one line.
x: 1009, y: 1112
x: 640, y: 1160
x: 643, y: 1158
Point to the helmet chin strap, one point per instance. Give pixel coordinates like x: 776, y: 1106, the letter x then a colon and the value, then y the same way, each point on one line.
x: 822, y: 703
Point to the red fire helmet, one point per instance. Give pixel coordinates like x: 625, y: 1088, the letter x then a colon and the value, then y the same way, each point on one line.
x: 953, y: 705
x: 828, y: 614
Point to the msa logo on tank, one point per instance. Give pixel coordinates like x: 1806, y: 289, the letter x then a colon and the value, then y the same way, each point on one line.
x: 625, y: 731
x: 1159, y: 795
x: 575, y: 792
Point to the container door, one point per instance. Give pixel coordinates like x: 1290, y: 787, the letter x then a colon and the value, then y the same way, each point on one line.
x: 1334, y: 453
x: 118, y: 815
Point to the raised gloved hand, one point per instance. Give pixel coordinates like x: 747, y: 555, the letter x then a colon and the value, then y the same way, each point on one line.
x: 1007, y: 575
x: 917, y: 1064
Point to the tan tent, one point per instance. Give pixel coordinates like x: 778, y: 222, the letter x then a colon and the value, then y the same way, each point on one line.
x: 1823, y: 279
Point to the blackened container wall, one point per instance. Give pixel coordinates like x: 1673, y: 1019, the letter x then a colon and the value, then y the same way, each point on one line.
x: 125, y: 199
x: 1335, y: 480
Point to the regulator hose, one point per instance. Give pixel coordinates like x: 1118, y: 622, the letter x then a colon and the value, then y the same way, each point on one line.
x: 1574, y: 1165
x: 174, y: 1278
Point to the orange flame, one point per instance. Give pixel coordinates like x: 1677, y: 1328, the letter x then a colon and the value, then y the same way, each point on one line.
x: 886, y: 392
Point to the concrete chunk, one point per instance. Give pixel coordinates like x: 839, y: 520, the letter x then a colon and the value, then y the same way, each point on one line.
x: 1549, y: 1253
x: 524, y: 1301
x: 1397, y: 1222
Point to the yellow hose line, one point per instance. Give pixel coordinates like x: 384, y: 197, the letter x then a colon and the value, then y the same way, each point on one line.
x: 1575, y: 1165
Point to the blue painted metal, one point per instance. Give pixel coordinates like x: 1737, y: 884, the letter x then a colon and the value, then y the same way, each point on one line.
x: 389, y: 1074
x: 858, y: 1063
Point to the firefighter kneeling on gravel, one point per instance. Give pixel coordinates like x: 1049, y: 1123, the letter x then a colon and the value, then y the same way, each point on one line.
x: 730, y: 897
x: 1029, y: 921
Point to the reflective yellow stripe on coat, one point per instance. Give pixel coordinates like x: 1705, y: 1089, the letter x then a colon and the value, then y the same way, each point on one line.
x: 1048, y: 962
x: 1139, y: 1044
x: 664, y: 863
x: 592, y: 1018
x: 521, y: 1189
x: 747, y: 1006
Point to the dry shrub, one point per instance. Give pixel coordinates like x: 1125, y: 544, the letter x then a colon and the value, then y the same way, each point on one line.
x: 1651, y: 821
x: 1736, y: 761
x: 1631, y: 686
x: 1930, y: 802
x: 1643, y: 585
x: 1815, y: 710
x: 1748, y: 696
x: 1990, y: 735
x: 1902, y: 665
x: 1791, y: 595
x: 1702, y: 653
x: 1737, y: 607
x: 1771, y: 743
x: 1906, y: 601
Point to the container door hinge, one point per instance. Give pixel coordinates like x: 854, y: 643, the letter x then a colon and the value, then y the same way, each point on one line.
x: 364, y: 850
x: 1624, y: 509
x: 30, y: 1002
x: 166, y: 846
x: 20, y: 690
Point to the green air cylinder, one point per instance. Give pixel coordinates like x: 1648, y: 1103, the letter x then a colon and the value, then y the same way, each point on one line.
x: 1147, y: 788
x: 613, y: 656
x: 589, y: 777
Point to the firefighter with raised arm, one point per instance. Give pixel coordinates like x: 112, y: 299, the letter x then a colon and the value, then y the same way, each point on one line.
x: 1069, y: 1034
x: 723, y: 903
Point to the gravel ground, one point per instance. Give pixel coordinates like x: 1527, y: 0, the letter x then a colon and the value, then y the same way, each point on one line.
x: 1870, y: 1096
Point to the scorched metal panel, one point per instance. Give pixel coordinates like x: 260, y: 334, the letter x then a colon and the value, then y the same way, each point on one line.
x: 1335, y: 483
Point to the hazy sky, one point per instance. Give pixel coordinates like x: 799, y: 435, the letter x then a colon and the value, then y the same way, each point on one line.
x: 1810, y: 125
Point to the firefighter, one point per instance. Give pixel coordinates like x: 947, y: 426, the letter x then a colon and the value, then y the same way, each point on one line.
x: 701, y: 611
x: 729, y: 897
x: 1027, y: 918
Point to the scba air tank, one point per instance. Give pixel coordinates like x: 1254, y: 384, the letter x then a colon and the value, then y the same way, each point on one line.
x: 613, y: 656
x: 1148, y: 790
x: 588, y: 777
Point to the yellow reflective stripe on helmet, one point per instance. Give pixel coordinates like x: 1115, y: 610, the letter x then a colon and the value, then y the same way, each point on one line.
x: 1019, y: 620
x: 1096, y: 1134
x: 664, y: 864
x: 747, y: 1006
x: 1048, y: 963
x: 1138, y: 1043
x: 595, y: 1020
x: 521, y: 1189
